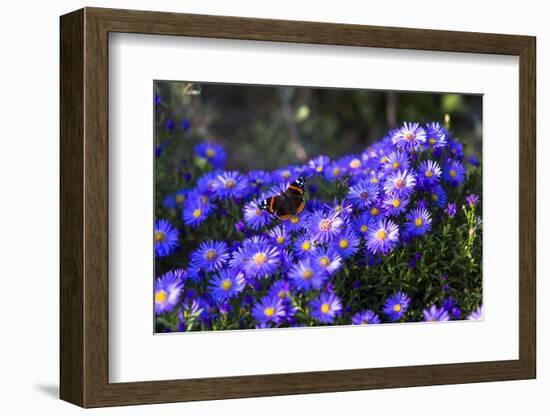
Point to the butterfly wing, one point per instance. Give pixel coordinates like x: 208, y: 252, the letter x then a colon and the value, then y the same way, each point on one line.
x: 288, y: 203
x: 295, y: 194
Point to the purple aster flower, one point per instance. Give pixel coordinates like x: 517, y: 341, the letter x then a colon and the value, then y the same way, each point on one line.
x: 362, y: 194
x: 295, y: 222
x: 287, y: 174
x: 263, y: 259
x: 383, y: 237
x: 269, y: 309
x: 436, y: 314
x: 456, y: 149
x: 328, y: 259
x: 363, y: 223
x: 430, y: 172
x: 438, y: 196
x: 211, y: 255
x: 195, y: 211
x: 280, y: 289
x: 324, y: 226
x: 168, y: 290
x: 343, y: 207
x: 254, y: 216
x: 231, y: 185
x: 279, y: 236
x: 326, y: 307
x: 396, y: 306
x: 474, y: 161
x: 166, y: 238
x: 400, y: 183
x: 213, y: 153
x: 472, y: 200
x: 454, y: 173
x: 395, y: 205
x: 335, y: 171
x: 419, y: 221
x: 208, y: 184
x: 365, y: 317
x: 226, y: 284
x: 396, y: 161
x: 409, y: 137
x: 436, y: 135
x: 347, y: 243
x: 306, y: 275
x: 304, y: 246
x: 476, y: 315
x: 259, y: 179
x: 318, y: 164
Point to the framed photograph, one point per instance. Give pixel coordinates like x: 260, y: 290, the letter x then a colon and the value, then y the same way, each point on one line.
x: 263, y: 207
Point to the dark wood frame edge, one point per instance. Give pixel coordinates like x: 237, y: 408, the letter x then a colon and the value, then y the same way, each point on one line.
x: 84, y: 207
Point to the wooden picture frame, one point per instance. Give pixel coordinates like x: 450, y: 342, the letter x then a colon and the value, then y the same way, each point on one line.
x: 84, y: 207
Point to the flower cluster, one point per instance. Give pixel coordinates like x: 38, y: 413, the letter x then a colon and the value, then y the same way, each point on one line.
x: 359, y: 253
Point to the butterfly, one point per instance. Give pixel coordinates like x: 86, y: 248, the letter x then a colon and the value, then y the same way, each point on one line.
x: 287, y: 203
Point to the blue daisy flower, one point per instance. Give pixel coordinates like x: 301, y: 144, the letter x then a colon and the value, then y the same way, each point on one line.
x: 456, y: 149
x: 287, y: 174
x: 335, y: 171
x: 208, y: 184
x: 279, y: 236
x: 306, y: 275
x: 363, y: 223
x: 472, y: 200
x: 436, y: 135
x: 166, y: 238
x: 383, y: 237
x: 195, y: 211
x: 363, y: 194
x: 280, y: 289
x: 396, y: 161
x: 168, y: 290
x: 347, y: 243
x: 318, y: 164
x: 226, y: 284
x: 304, y: 246
x: 367, y: 317
x: 396, y: 306
x: 400, y: 183
x: 326, y: 308
x: 254, y: 216
x: 231, y: 185
x: 324, y: 226
x: 211, y: 255
x: 409, y: 137
x: 328, y: 259
x: 211, y: 152
x: 435, y: 314
x: 438, y: 196
x: 476, y: 315
x: 454, y: 173
x: 263, y: 259
x: 429, y: 172
x: 258, y: 179
x: 394, y: 205
x: 419, y: 221
x: 269, y: 309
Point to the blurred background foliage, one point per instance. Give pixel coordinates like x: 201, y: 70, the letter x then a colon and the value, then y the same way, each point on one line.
x: 265, y: 127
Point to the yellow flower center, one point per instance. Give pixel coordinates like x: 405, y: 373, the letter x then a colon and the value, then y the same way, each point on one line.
x: 381, y: 235
x: 409, y: 137
x: 197, y: 213
x: 161, y: 296
x: 429, y: 174
x: 211, y: 255
x: 160, y: 237
x: 324, y: 261
x: 396, y: 165
x: 280, y: 239
x: 399, y: 183
x: 396, y: 203
x: 374, y: 211
x: 306, y: 245
x: 325, y: 225
x: 210, y: 153
x: 364, y: 195
x: 452, y: 173
x: 344, y: 244
x: 355, y: 163
x: 294, y: 219
x: 418, y: 222
x: 319, y: 169
x: 336, y: 171
x: 308, y: 274
x: 434, y: 197
x: 374, y: 179
x: 282, y: 294
x: 227, y: 284
x: 269, y: 311
x: 397, y: 307
x: 259, y: 258
x: 180, y: 198
x: 230, y: 184
x: 384, y: 159
x: 286, y: 174
x: 364, y: 228
x: 204, y: 199
x: 325, y: 308
x: 365, y: 321
x: 432, y: 141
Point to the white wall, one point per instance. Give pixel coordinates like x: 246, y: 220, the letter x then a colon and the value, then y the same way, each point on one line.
x: 29, y: 210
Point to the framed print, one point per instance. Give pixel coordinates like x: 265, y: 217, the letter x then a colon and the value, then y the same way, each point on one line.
x: 260, y: 207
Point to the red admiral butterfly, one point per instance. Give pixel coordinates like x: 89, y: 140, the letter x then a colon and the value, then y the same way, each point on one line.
x: 288, y: 203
